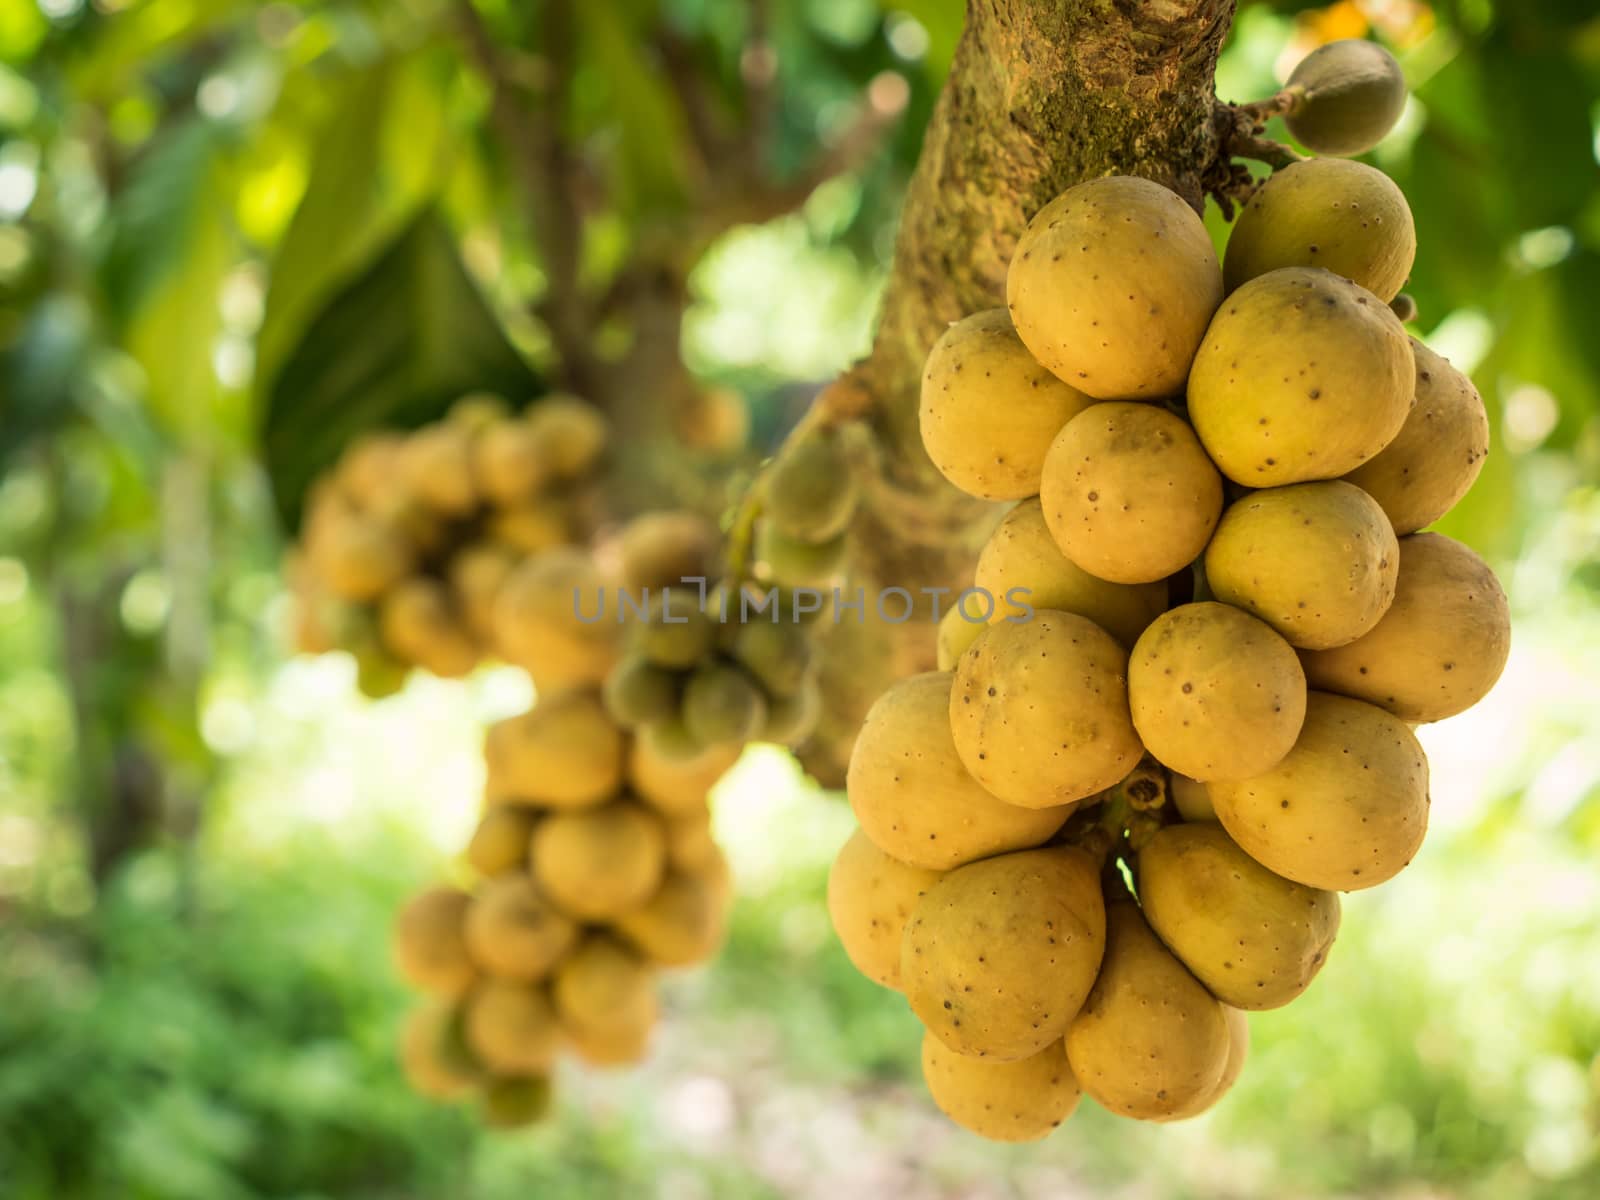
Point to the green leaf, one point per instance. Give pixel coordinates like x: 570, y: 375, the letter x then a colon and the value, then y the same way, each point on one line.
x: 42, y: 362
x: 375, y: 165
x: 392, y: 349
x: 173, y: 245
x: 619, y: 89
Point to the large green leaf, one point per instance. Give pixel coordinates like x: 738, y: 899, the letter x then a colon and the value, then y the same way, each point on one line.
x: 173, y: 245
x: 375, y: 165
x: 391, y: 349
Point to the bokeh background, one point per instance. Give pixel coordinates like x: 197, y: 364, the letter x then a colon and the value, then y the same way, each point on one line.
x: 202, y: 839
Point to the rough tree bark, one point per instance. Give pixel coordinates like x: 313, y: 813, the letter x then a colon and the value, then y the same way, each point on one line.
x: 1041, y: 94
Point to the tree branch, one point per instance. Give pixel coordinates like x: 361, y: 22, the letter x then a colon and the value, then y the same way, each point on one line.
x: 1041, y: 94
x: 761, y: 200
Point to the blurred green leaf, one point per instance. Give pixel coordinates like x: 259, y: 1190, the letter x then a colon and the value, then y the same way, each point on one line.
x: 174, y: 244
x: 375, y: 165
x: 393, y: 348
x: 619, y: 87
x: 40, y: 366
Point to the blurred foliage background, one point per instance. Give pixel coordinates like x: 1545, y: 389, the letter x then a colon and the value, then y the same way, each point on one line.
x: 230, y: 232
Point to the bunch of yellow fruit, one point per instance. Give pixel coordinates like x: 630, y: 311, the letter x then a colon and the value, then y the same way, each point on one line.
x: 408, y: 542
x: 593, y: 868
x: 1212, y: 590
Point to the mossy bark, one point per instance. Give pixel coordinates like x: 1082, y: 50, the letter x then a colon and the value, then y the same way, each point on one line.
x: 1041, y: 94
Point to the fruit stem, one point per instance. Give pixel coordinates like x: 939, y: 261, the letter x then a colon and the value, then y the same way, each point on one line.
x: 1274, y: 154
x: 1145, y: 787
x: 1289, y: 100
x: 742, y: 531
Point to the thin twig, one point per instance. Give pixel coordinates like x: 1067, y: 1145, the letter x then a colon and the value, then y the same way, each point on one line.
x: 706, y: 131
x: 1260, y: 149
x: 880, y: 107
x: 758, y: 68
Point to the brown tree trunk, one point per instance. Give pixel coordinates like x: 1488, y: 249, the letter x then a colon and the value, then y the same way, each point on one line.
x: 1041, y: 94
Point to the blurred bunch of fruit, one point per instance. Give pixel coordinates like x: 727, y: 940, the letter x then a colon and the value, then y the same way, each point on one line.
x: 410, y: 539
x: 592, y: 868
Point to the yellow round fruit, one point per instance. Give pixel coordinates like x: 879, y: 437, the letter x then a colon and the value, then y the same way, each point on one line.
x: 1316, y: 561
x: 565, y: 752
x: 502, y: 840
x: 425, y: 530
x: 1440, y: 647
x: 682, y: 924
x: 691, y: 845
x: 432, y: 1056
x: 1350, y: 93
x: 792, y: 719
x: 477, y: 572
x: 792, y: 562
x: 429, y: 943
x: 1345, y: 217
x: 637, y: 692
x: 1112, y: 285
x: 776, y: 654
x: 1215, y: 693
x: 989, y: 410
x: 532, y: 527
x: 676, y: 787
x: 514, y: 932
x: 1302, y: 375
x: 999, y: 955
x: 1039, y: 711
x: 601, y: 862
x: 1255, y: 939
x: 436, y: 467
x: 722, y: 704
x: 510, y: 1102
x: 570, y: 435
x: 1021, y: 569
x: 417, y: 625
x: 506, y: 462
x: 714, y: 421
x: 1238, y: 1051
x: 913, y: 797
x: 958, y: 629
x: 602, y: 1048
x: 476, y: 411
x: 1436, y: 456
x: 1151, y: 1042
x: 676, y: 633
x: 605, y: 989
x: 1190, y: 798
x: 1019, y: 1101
x: 357, y: 557
x: 510, y: 1026
x: 377, y: 675
x: 870, y: 898
x: 369, y: 468
x: 664, y: 549
x: 1346, y: 809
x: 717, y: 875
x: 546, y: 622
x: 809, y: 492
x: 1129, y: 494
